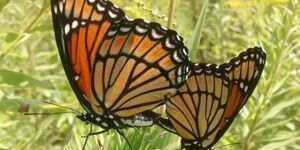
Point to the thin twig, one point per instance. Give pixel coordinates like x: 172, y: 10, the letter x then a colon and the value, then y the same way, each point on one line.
x: 171, y: 13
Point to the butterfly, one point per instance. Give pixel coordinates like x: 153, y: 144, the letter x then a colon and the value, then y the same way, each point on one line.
x: 119, y: 68
x: 205, y: 106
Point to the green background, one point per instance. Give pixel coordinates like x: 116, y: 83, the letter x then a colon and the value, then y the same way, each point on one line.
x: 31, y: 72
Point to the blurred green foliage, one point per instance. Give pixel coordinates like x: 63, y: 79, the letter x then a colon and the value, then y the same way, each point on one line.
x: 31, y: 72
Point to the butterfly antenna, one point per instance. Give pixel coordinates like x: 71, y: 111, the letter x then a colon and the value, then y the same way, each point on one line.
x: 47, y: 114
x: 50, y: 103
x: 122, y: 134
x: 73, y: 111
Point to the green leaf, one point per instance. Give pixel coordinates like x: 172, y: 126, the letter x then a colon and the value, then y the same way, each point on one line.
x: 17, y: 79
x: 10, y: 37
x: 277, y: 109
x: 198, y: 32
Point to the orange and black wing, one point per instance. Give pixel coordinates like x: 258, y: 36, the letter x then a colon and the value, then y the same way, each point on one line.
x: 80, y: 26
x: 198, y: 107
x: 136, y: 65
x: 201, y: 126
x: 244, y: 72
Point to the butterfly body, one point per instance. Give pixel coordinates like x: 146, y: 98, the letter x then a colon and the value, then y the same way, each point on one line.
x: 147, y: 118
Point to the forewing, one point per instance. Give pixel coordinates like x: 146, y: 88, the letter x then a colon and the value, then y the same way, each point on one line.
x: 136, y: 65
x: 80, y: 26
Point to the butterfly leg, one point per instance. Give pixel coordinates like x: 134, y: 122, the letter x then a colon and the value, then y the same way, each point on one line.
x: 91, y: 133
x: 87, y: 137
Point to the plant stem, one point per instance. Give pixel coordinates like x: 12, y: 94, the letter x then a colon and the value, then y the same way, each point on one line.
x: 171, y: 13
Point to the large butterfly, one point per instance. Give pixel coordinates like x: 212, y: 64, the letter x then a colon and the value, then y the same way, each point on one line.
x: 204, y: 107
x: 119, y: 68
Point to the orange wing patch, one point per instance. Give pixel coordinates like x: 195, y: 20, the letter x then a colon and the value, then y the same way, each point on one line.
x: 80, y: 27
x: 244, y: 72
x: 137, y: 60
x: 84, y: 43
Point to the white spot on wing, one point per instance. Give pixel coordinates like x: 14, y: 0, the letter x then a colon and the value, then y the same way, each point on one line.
x: 112, y: 15
x: 179, y: 79
x: 225, y: 82
x: 155, y: 35
x: 74, y: 24
x: 187, y: 144
x: 218, y: 74
x: 116, y: 123
x: 104, y: 124
x: 179, y: 71
x: 67, y: 29
x: 116, y: 7
x: 61, y: 6
x: 111, y: 33
x: 76, y: 78
x: 129, y: 19
x: 260, y: 61
x: 140, y: 29
x: 256, y: 73
x: 175, y: 56
x: 164, y: 28
x: 246, y: 88
x: 125, y: 29
x: 208, y: 71
x: 185, y: 51
x: 228, y: 68
x: 55, y: 9
x: 168, y: 44
x: 199, y: 70
x: 100, y: 8
x: 241, y: 85
x: 146, y: 21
